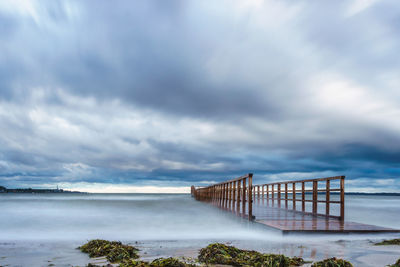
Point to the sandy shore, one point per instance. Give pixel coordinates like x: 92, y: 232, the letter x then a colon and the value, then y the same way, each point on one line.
x: 361, y: 253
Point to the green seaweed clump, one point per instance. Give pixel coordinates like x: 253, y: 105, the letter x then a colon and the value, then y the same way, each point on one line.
x: 332, y: 262
x: 397, y: 264
x: 389, y: 242
x: 133, y: 263
x: 217, y: 253
x: 160, y: 262
x: 169, y: 262
x: 95, y: 265
x: 114, y: 251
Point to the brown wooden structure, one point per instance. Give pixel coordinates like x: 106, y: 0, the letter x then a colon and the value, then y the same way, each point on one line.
x: 311, y: 205
x: 293, y: 192
x: 232, y: 195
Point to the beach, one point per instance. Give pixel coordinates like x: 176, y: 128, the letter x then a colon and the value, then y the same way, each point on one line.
x: 45, y: 229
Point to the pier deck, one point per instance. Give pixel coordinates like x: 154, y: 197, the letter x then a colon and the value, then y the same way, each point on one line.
x: 288, y: 221
x: 304, y: 206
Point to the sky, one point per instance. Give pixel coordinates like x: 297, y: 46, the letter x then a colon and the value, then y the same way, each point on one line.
x: 154, y: 96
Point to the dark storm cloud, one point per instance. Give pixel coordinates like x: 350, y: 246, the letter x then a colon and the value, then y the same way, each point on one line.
x: 195, y: 91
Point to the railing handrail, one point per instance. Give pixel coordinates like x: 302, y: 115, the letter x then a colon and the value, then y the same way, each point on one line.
x: 306, y: 180
x: 230, y: 181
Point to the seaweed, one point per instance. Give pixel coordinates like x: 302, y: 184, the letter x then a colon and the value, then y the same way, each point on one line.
x: 397, y: 264
x: 389, y: 242
x: 332, y: 262
x: 95, y: 265
x: 125, y: 255
x: 217, y: 253
x: 133, y: 263
x: 160, y: 262
x: 169, y: 262
x: 114, y: 251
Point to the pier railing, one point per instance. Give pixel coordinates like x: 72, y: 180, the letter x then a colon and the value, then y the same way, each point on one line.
x: 238, y: 194
x: 231, y: 195
x: 293, y: 192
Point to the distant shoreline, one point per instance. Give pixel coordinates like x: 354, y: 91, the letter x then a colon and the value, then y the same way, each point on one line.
x: 371, y: 194
x: 4, y: 190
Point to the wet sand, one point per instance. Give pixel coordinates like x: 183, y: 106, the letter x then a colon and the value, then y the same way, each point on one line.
x: 361, y: 252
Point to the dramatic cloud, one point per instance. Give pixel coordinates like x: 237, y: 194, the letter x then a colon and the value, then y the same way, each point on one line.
x: 150, y: 94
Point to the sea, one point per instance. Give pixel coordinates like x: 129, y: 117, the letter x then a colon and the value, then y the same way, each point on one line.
x: 46, y: 229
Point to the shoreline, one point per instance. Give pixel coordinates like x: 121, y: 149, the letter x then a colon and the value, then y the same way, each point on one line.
x: 65, y: 253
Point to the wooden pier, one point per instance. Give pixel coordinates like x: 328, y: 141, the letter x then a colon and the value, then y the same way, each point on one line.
x: 304, y: 206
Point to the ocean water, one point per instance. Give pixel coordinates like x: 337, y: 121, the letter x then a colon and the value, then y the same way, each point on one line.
x: 39, y: 229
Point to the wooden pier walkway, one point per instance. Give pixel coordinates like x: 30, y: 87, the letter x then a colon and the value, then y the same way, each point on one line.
x: 304, y: 206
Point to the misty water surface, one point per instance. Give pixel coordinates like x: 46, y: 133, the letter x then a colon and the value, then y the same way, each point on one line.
x: 151, y: 217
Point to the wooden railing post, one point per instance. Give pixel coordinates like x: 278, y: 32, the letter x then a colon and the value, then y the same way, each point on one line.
x: 303, y: 196
x: 226, y: 195
x: 273, y: 194
x: 250, y: 201
x: 219, y: 195
x: 215, y: 194
x: 244, y: 196
x: 230, y: 195
x: 262, y: 187
x: 238, y: 197
x: 223, y: 195
x: 286, y: 195
x: 315, y: 197
x: 294, y: 195
x: 279, y: 195
x: 342, y: 198
x: 234, y: 195
x: 328, y: 197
